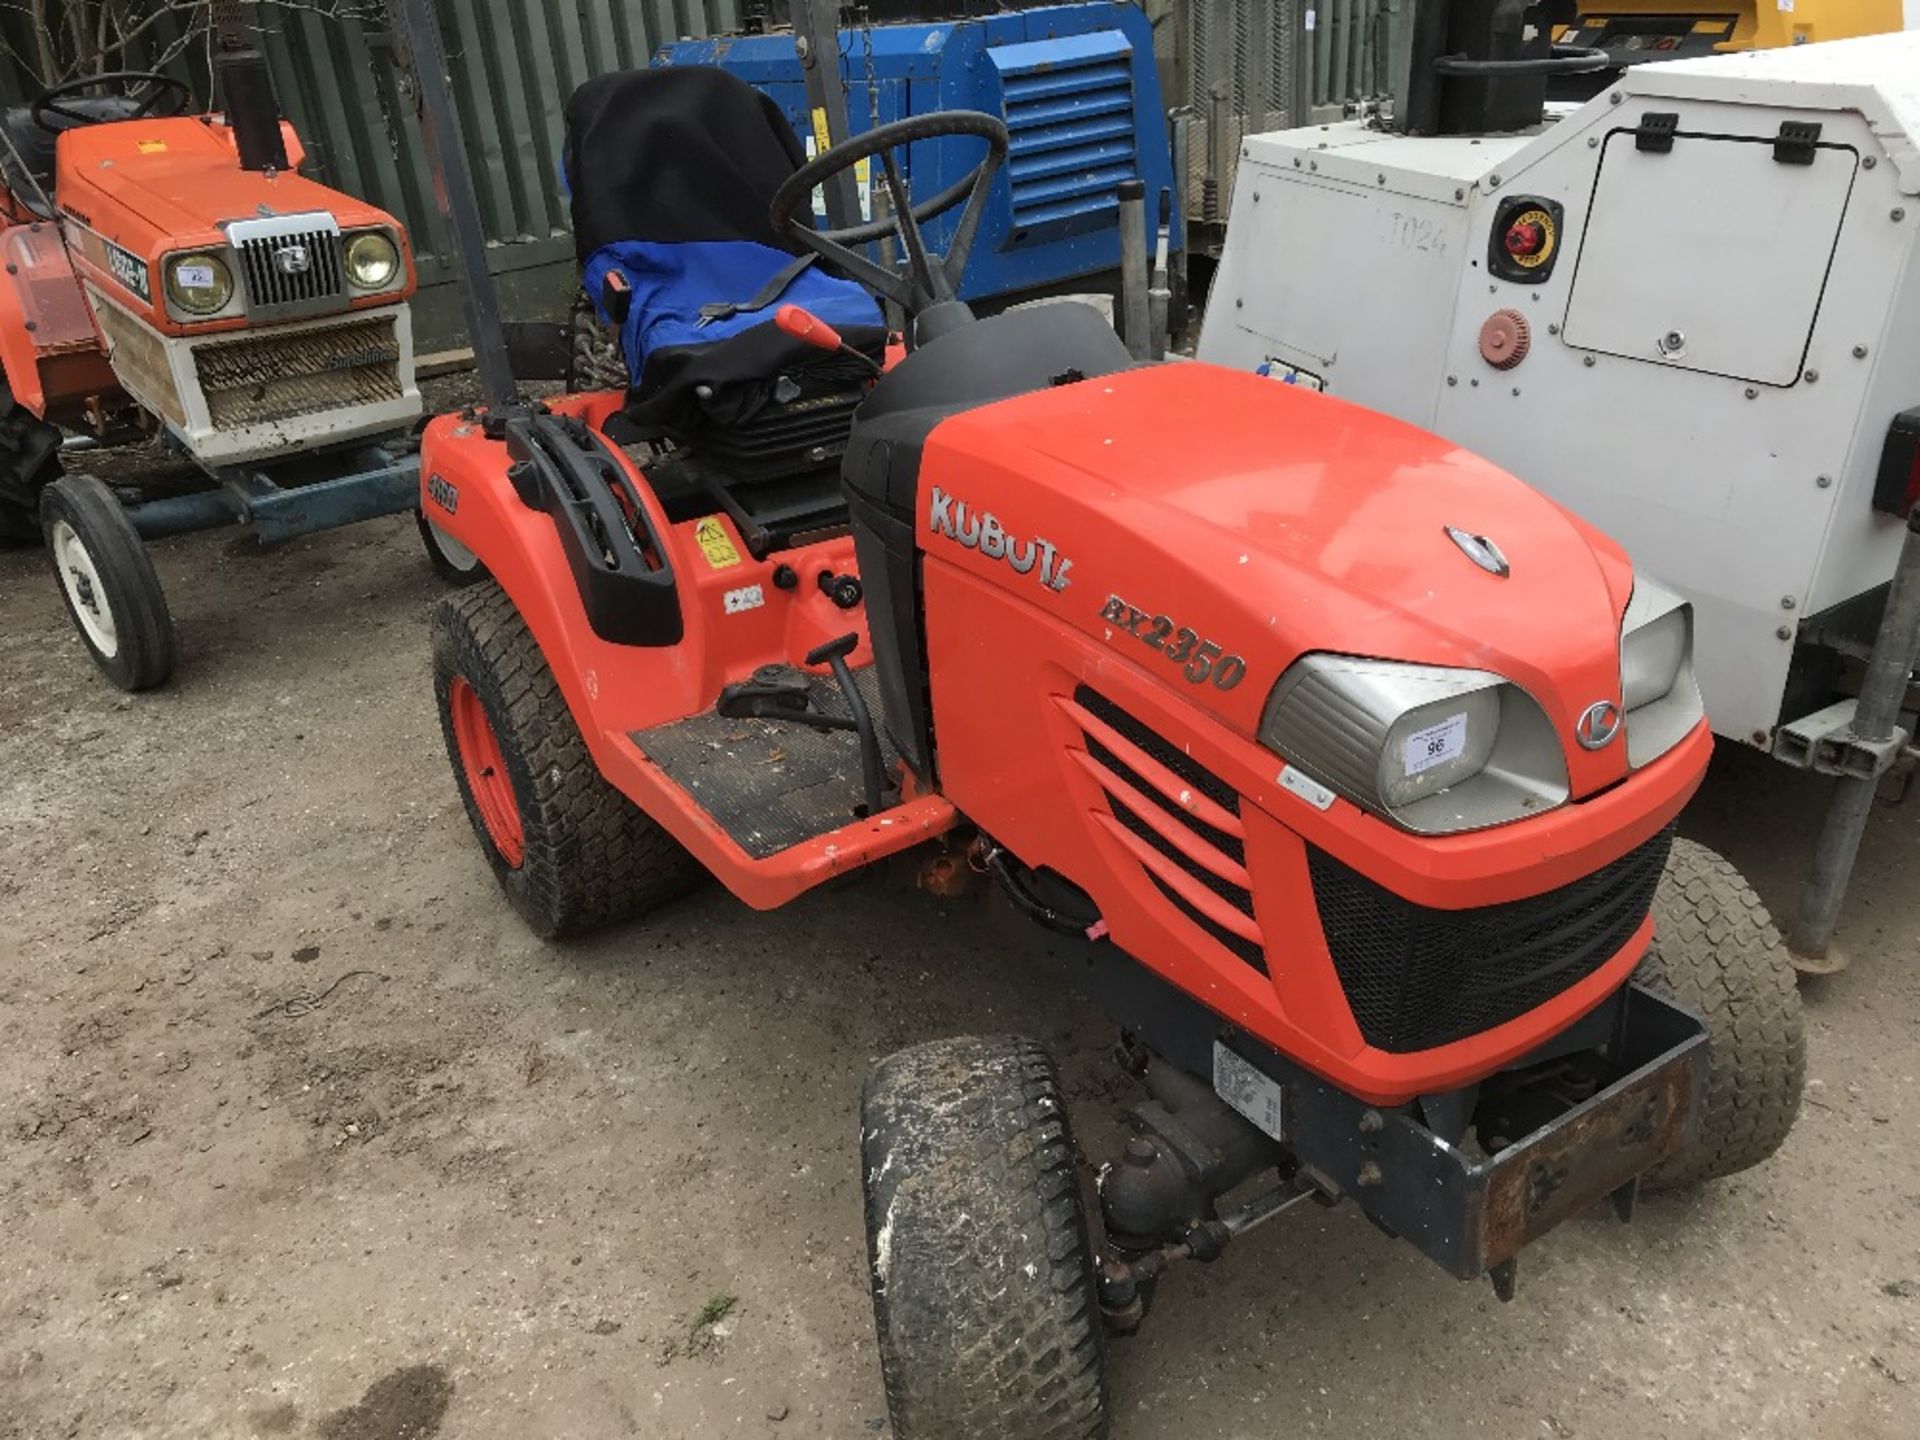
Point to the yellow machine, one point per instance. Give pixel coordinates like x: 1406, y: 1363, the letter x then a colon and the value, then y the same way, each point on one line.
x: 1635, y: 31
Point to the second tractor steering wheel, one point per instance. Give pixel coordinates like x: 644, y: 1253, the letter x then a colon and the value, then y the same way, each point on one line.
x: 158, y: 87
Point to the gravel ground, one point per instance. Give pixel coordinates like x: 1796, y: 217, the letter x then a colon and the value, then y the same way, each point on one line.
x: 302, y: 1135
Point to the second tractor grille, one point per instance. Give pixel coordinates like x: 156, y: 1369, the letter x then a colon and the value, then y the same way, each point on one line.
x: 1417, y: 977
x: 1180, y: 820
x: 290, y: 274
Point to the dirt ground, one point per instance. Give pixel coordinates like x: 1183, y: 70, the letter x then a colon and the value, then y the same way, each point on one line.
x: 302, y: 1135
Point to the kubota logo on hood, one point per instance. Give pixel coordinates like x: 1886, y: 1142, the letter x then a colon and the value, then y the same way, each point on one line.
x: 1597, y: 725
x: 981, y: 530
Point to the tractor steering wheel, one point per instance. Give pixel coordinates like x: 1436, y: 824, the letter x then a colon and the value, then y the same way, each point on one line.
x: 929, y: 279
x: 128, y: 84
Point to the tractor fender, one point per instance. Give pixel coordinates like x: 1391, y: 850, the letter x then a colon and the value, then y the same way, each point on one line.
x: 49, y: 348
x: 736, y: 614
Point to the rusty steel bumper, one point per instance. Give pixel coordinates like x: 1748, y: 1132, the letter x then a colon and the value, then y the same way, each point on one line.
x: 1470, y: 1177
x: 1472, y: 1212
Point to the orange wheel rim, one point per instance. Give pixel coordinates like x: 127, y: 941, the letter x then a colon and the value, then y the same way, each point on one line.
x: 485, y: 767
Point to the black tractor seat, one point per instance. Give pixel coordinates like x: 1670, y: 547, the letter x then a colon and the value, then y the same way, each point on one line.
x: 672, y: 172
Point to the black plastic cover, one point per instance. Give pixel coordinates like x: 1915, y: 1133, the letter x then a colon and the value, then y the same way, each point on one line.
x: 1009, y: 354
x: 626, y: 585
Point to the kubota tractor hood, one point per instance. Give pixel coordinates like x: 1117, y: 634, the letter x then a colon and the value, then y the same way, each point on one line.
x: 1272, y: 521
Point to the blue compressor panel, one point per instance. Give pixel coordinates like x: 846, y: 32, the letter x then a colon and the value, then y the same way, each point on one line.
x: 1076, y: 85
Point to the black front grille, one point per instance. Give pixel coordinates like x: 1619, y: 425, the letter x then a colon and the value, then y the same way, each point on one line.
x: 1417, y: 977
x: 1193, y: 773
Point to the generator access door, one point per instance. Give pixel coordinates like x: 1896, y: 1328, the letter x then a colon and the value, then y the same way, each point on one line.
x: 1708, y: 252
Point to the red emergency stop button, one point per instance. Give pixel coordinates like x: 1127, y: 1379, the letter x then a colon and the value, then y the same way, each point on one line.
x: 1526, y: 237
x: 1529, y: 240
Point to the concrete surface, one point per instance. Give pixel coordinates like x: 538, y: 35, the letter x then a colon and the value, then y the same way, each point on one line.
x: 302, y: 1135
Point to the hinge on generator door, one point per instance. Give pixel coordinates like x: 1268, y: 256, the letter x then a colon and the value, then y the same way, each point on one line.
x: 1795, y: 143
x: 1654, y: 134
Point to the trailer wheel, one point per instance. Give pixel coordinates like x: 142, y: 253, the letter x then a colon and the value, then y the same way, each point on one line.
x: 106, y: 578
x: 451, y: 561
x: 977, y: 1239
x: 1717, y: 953
x: 594, y: 358
x: 572, y: 852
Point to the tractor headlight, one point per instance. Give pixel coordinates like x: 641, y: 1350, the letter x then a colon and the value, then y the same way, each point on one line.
x: 1657, y: 683
x: 372, y: 260
x: 199, y: 283
x: 1432, y: 749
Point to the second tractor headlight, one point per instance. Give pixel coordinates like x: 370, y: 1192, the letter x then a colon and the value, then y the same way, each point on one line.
x: 1433, y: 749
x: 1657, y: 685
x: 373, y: 260
x: 199, y: 284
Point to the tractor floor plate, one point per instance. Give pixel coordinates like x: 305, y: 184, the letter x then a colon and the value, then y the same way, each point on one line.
x: 771, y: 785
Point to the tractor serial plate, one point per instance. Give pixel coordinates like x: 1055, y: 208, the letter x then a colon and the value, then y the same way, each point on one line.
x: 1257, y: 1096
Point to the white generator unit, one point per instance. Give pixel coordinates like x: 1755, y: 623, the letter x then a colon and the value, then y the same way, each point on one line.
x: 1688, y: 309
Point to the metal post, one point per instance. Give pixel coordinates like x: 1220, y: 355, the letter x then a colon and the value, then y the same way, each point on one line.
x: 1133, y: 267
x: 1876, y: 718
x: 424, y: 53
x: 1300, y: 70
x: 1160, y: 292
x: 816, y: 38
x: 1183, y: 208
x: 1220, y: 160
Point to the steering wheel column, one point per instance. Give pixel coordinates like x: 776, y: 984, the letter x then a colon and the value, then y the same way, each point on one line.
x: 928, y: 287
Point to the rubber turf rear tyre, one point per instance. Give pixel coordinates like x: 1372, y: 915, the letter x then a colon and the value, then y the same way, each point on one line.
x: 590, y: 856
x: 1717, y: 953
x: 127, y: 629
x: 980, y: 1262
x: 594, y: 359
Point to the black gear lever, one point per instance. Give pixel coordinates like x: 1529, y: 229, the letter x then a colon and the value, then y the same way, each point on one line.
x: 834, y: 654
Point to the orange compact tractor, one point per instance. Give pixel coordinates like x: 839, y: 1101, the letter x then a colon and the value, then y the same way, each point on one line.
x: 173, y: 274
x: 1339, y: 765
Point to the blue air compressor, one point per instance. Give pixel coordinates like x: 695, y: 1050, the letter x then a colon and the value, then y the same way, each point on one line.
x: 1076, y: 85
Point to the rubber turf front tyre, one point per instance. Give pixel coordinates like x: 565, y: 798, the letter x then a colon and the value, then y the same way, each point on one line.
x: 980, y: 1262
x: 571, y: 851
x: 106, y: 579
x: 1716, y: 952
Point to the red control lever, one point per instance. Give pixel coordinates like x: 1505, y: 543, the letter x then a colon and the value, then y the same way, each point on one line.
x: 809, y: 329
x: 805, y: 326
